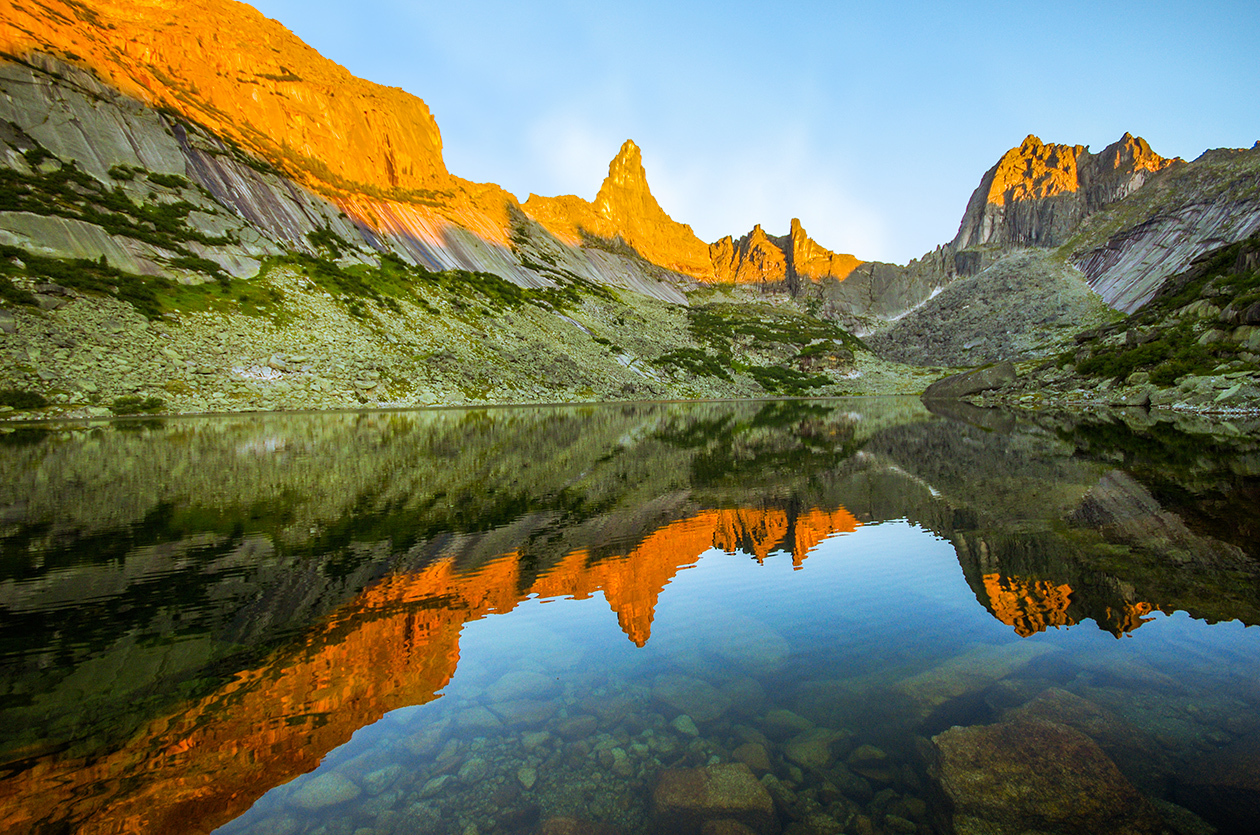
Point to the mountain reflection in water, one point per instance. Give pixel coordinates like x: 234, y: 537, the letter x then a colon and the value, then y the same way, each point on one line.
x: 197, y: 610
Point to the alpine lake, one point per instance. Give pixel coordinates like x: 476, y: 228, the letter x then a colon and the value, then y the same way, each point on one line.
x: 795, y: 616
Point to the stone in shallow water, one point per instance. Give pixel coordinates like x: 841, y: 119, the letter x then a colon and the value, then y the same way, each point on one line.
x: 968, y: 673
x: 525, y: 713
x: 576, y: 826
x: 698, y: 699
x: 813, y: 748
x: 753, y: 755
x: 872, y: 763
x: 1135, y: 753
x: 780, y: 724
x: 379, y: 780
x: 523, y: 684
x: 685, y: 725
x: 1033, y: 775
x: 725, y: 827
x: 685, y: 799
x: 1224, y: 786
x: 577, y: 727
x: 324, y: 790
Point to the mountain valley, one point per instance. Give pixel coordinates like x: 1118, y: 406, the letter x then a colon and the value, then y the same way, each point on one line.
x: 200, y: 213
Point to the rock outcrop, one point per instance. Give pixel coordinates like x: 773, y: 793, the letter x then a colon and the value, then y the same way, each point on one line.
x: 225, y: 66
x: 624, y: 216
x: 1038, y: 193
x: 791, y: 261
x: 970, y: 382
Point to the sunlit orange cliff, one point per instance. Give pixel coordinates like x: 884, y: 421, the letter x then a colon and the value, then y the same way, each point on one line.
x: 394, y: 645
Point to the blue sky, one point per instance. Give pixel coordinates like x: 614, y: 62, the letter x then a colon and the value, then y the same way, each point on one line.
x: 871, y: 122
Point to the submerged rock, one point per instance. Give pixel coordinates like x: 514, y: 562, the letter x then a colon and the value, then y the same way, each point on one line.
x: 1032, y: 775
x: 686, y: 799
x: 325, y: 790
x: 1224, y: 786
x: 698, y: 699
x: 1136, y: 754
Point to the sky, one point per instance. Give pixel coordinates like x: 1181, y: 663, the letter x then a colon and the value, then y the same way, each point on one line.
x: 871, y: 122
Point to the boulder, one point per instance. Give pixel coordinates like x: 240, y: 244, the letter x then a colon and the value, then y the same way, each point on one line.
x: 1224, y: 786
x: 698, y: 699
x: 1135, y: 753
x: 1032, y: 775
x: 970, y: 382
x: 686, y: 799
x: 324, y: 790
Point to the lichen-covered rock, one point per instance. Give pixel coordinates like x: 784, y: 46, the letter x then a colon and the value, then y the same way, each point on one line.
x: 1033, y: 775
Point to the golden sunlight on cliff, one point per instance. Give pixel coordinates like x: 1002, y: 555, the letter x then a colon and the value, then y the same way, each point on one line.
x: 624, y: 215
x: 247, y: 78
x: 758, y: 258
x: 1037, y: 170
x: 395, y: 644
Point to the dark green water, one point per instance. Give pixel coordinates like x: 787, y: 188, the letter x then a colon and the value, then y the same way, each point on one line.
x: 804, y: 617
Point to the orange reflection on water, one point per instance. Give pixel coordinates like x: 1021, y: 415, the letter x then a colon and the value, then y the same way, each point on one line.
x: 1030, y: 606
x: 395, y: 644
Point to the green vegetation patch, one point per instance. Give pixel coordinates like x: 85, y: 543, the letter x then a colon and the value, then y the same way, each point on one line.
x: 69, y: 192
x: 695, y: 361
x: 718, y: 324
x: 134, y: 404
x: 20, y: 399
x: 782, y: 380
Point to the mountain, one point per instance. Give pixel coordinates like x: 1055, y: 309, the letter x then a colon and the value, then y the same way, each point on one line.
x: 200, y: 211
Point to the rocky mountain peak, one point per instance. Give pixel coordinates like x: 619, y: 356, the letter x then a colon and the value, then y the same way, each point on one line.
x: 1039, y: 192
x: 625, y: 213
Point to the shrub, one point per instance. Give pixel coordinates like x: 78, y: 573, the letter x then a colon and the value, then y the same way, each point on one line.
x: 134, y: 404
x: 19, y: 399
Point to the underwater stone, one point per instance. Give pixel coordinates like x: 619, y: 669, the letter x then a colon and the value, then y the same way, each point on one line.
x: 1224, y: 786
x: 527, y: 777
x: 754, y: 756
x: 812, y: 749
x: 780, y: 724
x: 1015, y: 776
x: 698, y: 699
x: 685, y: 799
x: 522, y: 684
x: 379, y: 780
x: 325, y: 790
x: 685, y: 725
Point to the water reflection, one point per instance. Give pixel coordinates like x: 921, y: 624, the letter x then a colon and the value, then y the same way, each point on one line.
x: 196, y: 611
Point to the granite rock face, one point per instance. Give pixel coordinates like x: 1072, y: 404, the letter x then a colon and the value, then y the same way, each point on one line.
x: 792, y: 261
x: 1037, y: 193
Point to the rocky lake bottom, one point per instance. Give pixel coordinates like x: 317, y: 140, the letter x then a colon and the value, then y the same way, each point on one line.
x: 824, y: 616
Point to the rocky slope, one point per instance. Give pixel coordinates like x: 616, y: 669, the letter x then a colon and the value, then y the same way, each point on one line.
x: 1054, y: 233
x: 1025, y: 305
x: 1195, y: 345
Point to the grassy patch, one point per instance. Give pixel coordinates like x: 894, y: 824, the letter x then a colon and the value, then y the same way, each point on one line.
x: 71, y: 193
